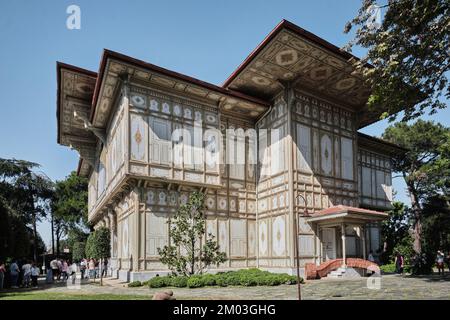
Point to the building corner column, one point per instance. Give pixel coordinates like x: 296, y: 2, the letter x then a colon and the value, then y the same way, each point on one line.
x: 344, y: 258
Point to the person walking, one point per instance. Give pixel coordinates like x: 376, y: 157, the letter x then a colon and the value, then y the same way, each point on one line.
x: 34, y: 275
x: 73, y: 271
x: 59, y: 263
x: 83, y: 266
x: 399, y: 263
x: 91, y: 269
x: 14, y: 274
x: 2, y: 274
x: 64, y: 270
x: 26, y: 268
x: 54, y: 267
x: 105, y: 267
x: 440, y: 262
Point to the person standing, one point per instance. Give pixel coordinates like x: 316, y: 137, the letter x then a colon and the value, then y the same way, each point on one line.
x: 59, y: 263
x: 34, y: 275
x: 2, y: 274
x: 448, y: 261
x: 91, y: 269
x: 83, y: 265
x: 399, y: 263
x: 73, y: 271
x: 26, y: 268
x: 64, y: 269
x: 105, y: 267
x: 14, y: 273
x: 54, y: 267
x: 440, y: 262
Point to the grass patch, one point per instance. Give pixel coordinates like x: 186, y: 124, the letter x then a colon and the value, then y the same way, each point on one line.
x: 39, y: 295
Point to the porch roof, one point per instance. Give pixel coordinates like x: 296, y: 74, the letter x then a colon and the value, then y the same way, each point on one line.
x: 341, y: 212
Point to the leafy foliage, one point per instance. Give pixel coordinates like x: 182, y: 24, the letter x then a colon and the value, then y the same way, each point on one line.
x: 186, y: 255
x: 395, y: 231
x: 98, y: 244
x: 422, y: 165
x: 69, y: 208
x: 245, y: 277
x: 409, y: 54
x: 24, y: 200
x: 78, y: 251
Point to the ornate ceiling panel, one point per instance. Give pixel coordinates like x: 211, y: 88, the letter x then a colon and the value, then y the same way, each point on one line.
x: 290, y: 57
x: 118, y: 66
x: 75, y: 90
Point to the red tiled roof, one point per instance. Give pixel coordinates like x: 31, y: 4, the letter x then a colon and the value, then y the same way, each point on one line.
x: 344, y: 209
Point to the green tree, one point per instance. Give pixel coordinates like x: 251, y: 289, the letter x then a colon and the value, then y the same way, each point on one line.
x: 436, y: 224
x: 421, y: 165
x: 24, y: 200
x: 409, y: 54
x: 78, y: 251
x: 395, y: 230
x: 98, y: 246
x: 186, y: 254
x: 69, y: 210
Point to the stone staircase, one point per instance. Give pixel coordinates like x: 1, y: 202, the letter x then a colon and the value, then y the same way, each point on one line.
x: 338, y: 273
x: 333, y: 268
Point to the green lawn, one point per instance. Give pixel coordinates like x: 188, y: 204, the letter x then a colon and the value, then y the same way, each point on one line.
x: 40, y: 295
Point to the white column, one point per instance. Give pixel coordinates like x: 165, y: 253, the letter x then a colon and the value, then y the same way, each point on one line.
x: 362, y: 231
x: 344, y: 261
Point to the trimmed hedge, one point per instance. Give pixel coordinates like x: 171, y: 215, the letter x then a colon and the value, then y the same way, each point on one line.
x: 245, y: 277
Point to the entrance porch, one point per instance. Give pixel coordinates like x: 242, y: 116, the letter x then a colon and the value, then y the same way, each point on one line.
x: 346, y: 233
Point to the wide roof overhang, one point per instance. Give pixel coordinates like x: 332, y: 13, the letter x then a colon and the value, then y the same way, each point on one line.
x: 290, y: 54
x: 340, y: 213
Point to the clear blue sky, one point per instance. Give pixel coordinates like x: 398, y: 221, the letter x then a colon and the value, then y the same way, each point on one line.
x: 203, y: 39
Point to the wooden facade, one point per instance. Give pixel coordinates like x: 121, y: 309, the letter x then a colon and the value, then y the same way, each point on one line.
x: 297, y: 106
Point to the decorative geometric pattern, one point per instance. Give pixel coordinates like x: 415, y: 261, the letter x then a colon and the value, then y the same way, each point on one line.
x: 289, y: 56
x: 278, y: 236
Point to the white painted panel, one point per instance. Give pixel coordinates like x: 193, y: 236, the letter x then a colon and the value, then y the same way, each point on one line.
x: 366, y: 182
x: 326, y: 154
x: 251, y: 238
x: 347, y: 158
x: 223, y: 236
x: 303, y: 147
x: 380, y: 185
x: 238, y: 237
x: 138, y: 137
x: 160, y: 141
x: 156, y: 233
x: 306, y: 245
x: 279, y: 236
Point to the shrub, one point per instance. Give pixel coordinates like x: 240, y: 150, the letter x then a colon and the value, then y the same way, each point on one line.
x: 269, y: 280
x: 209, y: 279
x: 179, y: 282
x: 388, y: 268
x: 135, y: 284
x: 221, y: 281
x: 246, y: 277
x: 247, y: 280
x: 195, y: 282
x: 158, y: 282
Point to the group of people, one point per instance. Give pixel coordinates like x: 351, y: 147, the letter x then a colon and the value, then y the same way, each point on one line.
x: 441, y: 260
x: 24, y: 276
x: 92, y: 267
x: 61, y: 270
x: 25, y: 273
